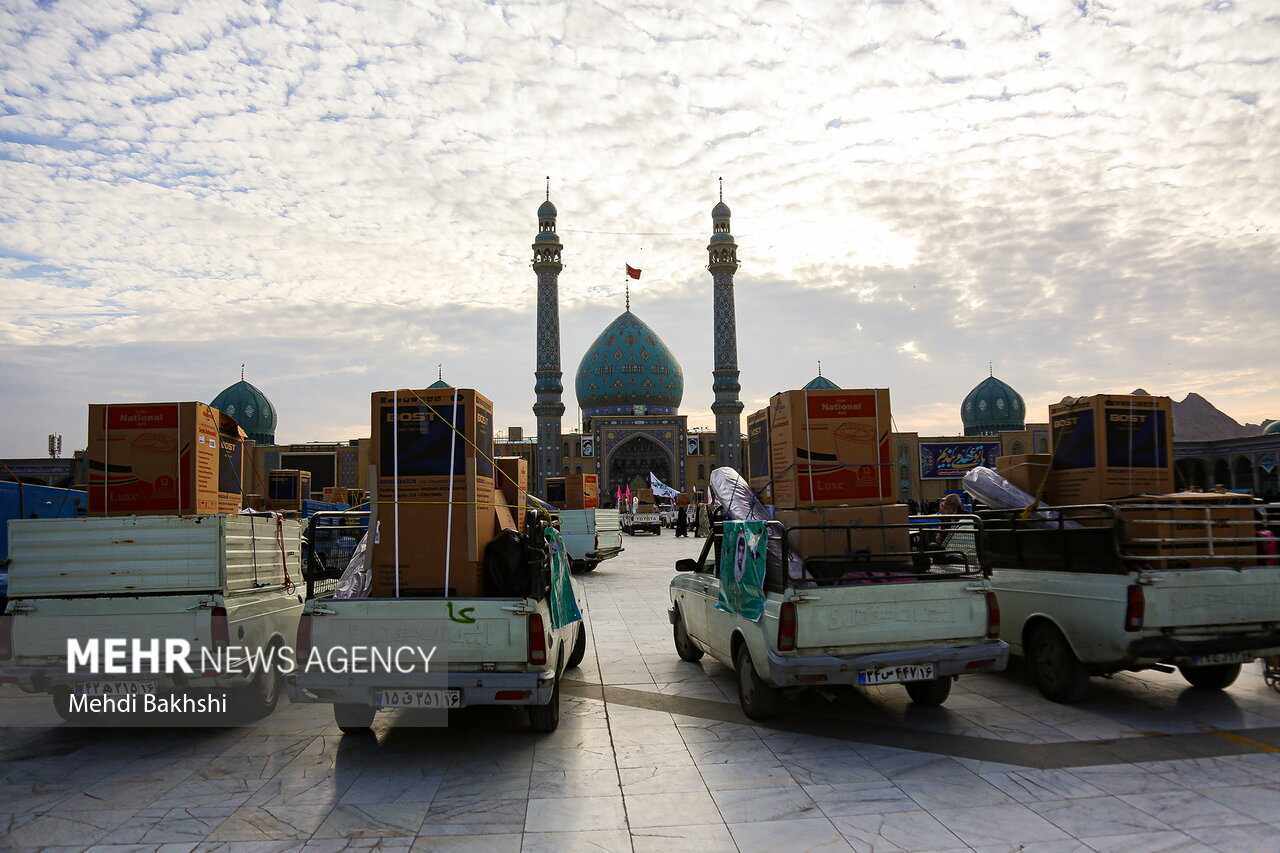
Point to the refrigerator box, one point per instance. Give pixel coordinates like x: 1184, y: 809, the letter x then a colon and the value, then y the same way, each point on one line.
x: 1027, y: 471
x: 157, y: 459
x: 287, y: 488
x: 556, y: 492
x: 830, y: 448
x: 1110, y: 446
x: 758, y: 469
x: 232, y: 482
x: 1190, y: 524
x: 848, y: 530
x: 582, y: 491
x: 425, y: 441
x: 511, y: 478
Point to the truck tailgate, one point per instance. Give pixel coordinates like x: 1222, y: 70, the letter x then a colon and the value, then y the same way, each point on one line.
x: 466, y: 631
x: 41, y: 627
x: 892, y: 614
x: 1191, y: 598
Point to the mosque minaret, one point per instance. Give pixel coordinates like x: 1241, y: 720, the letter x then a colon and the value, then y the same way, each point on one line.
x: 549, y: 408
x: 723, y: 263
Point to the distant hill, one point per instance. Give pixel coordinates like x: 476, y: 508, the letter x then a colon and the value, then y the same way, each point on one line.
x: 1196, y: 419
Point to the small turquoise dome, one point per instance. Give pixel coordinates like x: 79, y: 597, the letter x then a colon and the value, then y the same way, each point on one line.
x: 721, y: 209
x: 439, y: 383
x: 821, y: 383
x: 629, y: 365
x: 251, y: 410
x: 1273, y: 428
x: 547, y: 210
x: 992, y: 407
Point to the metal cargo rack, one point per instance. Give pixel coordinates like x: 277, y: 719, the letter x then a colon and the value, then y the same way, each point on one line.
x: 329, y: 542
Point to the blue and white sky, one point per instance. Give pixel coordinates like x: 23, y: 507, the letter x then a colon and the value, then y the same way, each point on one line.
x: 342, y: 195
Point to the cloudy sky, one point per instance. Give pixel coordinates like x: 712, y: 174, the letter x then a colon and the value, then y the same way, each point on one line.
x: 342, y: 195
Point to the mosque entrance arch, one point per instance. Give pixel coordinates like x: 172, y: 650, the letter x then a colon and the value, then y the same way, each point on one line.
x: 630, y: 463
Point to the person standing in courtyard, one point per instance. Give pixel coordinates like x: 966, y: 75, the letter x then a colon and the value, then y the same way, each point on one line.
x: 682, y: 521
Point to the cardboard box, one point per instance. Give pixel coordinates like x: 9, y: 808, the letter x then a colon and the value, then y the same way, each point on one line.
x: 231, y: 464
x: 645, y: 495
x: 157, y: 459
x: 556, y: 492
x: 512, y: 480
x: 1187, y: 531
x: 423, y: 530
x: 582, y: 491
x: 414, y: 447
x: 287, y: 488
x: 1110, y: 446
x: 683, y: 499
x: 759, y: 472
x: 1027, y: 471
x: 830, y: 448
x: 835, y: 541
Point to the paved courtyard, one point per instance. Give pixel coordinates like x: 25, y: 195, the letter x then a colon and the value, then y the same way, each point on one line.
x: 653, y: 754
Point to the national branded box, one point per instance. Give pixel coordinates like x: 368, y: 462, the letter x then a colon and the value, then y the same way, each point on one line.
x: 1189, y: 524
x: 415, y: 448
x: 848, y: 530
x: 1109, y: 446
x: 1027, y: 471
x: 511, y: 478
x: 287, y: 488
x: 830, y: 448
x: 162, y: 459
x: 423, y: 530
x: 758, y: 469
x: 581, y: 491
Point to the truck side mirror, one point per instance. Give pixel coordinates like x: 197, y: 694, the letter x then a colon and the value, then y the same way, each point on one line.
x: 686, y: 565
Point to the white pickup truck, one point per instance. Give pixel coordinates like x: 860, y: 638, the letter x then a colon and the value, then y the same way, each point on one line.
x: 1075, y: 604
x: 475, y: 651
x: 846, y: 621
x: 591, y: 536
x: 219, y: 584
x: 644, y: 519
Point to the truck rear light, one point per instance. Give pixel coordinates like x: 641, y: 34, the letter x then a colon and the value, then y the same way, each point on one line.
x: 511, y: 695
x: 302, y: 648
x: 811, y: 679
x: 1135, y: 608
x: 787, y: 627
x: 6, y: 636
x: 993, y: 616
x: 537, y: 641
x: 219, y: 630
x: 980, y: 664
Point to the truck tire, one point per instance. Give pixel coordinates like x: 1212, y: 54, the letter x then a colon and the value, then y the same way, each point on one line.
x: 758, y: 700
x: 1057, y: 671
x: 259, y: 697
x: 930, y: 693
x: 579, y: 648
x: 1216, y: 677
x: 589, y: 566
x: 546, y: 718
x: 657, y: 531
x: 353, y: 719
x: 684, y: 646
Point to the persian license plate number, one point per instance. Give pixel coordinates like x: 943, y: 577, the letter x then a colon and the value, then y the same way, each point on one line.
x: 418, y: 699
x: 115, y: 688
x: 1222, y: 657
x: 896, y: 674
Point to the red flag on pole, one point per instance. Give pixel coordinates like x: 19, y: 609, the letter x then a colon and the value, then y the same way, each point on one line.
x: 633, y: 272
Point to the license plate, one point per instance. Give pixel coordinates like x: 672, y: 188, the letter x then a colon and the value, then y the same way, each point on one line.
x: 1222, y: 657
x: 418, y: 699
x: 116, y: 688
x: 896, y: 674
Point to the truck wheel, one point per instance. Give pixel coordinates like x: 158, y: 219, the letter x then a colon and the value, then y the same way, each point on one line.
x: 259, y: 698
x: 684, y: 646
x: 545, y: 718
x: 1217, y: 677
x: 1056, y: 669
x: 931, y: 693
x: 759, y: 700
x: 62, y: 706
x: 657, y: 531
x: 579, y: 648
x: 589, y: 566
x: 353, y: 719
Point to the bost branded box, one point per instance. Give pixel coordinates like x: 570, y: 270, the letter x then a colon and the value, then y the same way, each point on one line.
x: 1109, y: 446
x: 1027, y: 471
x: 162, y: 459
x: 232, y: 483
x: 581, y: 491
x: 830, y: 448
x: 287, y: 488
x: 511, y: 478
x: 1190, y: 524
x: 759, y: 472
x: 848, y: 530
x: 556, y: 492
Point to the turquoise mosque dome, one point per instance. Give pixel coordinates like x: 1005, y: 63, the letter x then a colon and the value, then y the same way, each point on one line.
x: 251, y: 410
x: 547, y: 210
x: 992, y: 407
x: 821, y: 383
x: 629, y: 365
x: 1273, y: 428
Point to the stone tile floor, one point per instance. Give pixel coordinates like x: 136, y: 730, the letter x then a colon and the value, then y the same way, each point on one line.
x: 653, y: 754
